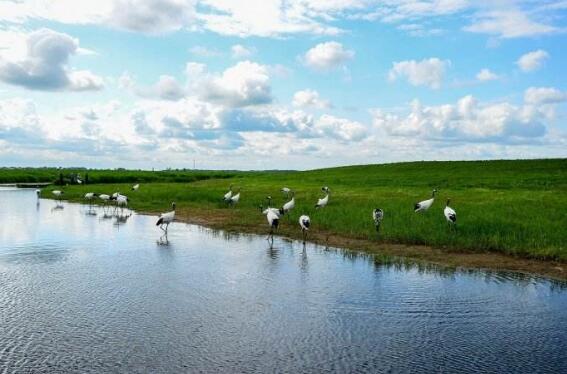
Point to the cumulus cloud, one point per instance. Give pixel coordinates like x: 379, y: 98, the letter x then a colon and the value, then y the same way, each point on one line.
x: 508, y: 23
x: 485, y: 75
x: 202, y: 51
x: 428, y: 72
x: 152, y: 16
x: 244, y: 84
x: 45, y: 65
x: 310, y: 99
x: 166, y: 88
x: 327, y: 56
x: 240, y: 52
x: 469, y: 120
x: 544, y: 95
x: 532, y: 61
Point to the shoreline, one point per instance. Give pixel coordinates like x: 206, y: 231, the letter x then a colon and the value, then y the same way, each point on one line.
x: 419, y: 253
x: 227, y: 220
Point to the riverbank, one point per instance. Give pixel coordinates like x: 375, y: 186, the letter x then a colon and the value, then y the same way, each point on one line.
x: 510, y: 214
x: 227, y: 221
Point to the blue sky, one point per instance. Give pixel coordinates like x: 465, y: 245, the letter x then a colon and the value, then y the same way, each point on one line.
x: 280, y: 84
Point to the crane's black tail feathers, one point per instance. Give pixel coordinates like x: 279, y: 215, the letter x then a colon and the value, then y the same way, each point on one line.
x: 159, y: 221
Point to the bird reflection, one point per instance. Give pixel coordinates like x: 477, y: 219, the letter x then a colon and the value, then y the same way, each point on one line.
x: 57, y: 207
x: 163, y: 240
x: 121, y: 219
x: 273, y: 252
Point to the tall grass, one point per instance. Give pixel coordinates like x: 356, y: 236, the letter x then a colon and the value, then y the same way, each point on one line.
x: 514, y: 207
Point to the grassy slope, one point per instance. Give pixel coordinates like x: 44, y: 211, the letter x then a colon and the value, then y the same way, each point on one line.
x: 515, y: 207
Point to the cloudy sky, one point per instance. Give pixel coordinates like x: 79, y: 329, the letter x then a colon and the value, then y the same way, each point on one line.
x: 280, y: 84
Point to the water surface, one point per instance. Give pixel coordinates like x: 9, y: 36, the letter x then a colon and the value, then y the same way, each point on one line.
x: 81, y: 292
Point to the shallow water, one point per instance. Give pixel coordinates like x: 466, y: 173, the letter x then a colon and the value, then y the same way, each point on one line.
x: 83, y: 293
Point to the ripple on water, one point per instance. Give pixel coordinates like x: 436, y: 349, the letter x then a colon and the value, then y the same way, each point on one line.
x: 80, y: 294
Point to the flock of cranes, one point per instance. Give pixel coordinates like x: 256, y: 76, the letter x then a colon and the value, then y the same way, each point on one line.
x: 273, y: 214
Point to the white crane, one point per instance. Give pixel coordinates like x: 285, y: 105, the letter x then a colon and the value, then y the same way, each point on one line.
x: 422, y: 206
x: 89, y: 196
x: 121, y: 201
x: 228, y: 195
x: 286, y: 191
x: 321, y: 203
x: 105, y: 199
x: 450, y: 214
x: 57, y: 194
x: 273, y: 217
x: 304, y: 223
x: 135, y: 187
x: 235, y: 199
x: 38, y: 193
x: 287, y: 207
x: 166, y: 218
x: 377, y: 216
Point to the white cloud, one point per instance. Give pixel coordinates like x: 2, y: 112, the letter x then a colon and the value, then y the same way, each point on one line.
x: 166, y: 88
x: 532, y: 61
x: 485, y: 75
x: 544, y: 95
x: 470, y: 121
x: 45, y: 65
x: 508, y: 23
x: 202, y: 51
x: 310, y: 99
x: 327, y: 56
x: 246, y: 83
x: 240, y: 52
x: 428, y: 72
x: 152, y: 16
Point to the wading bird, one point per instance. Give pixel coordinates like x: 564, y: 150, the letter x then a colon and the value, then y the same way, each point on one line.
x: 286, y: 191
x: 121, y: 201
x: 304, y: 223
x: 166, y: 218
x: 235, y: 199
x: 105, y: 198
x: 321, y: 203
x: 228, y: 195
x: 287, y: 207
x: 273, y: 218
x: 38, y: 193
x: 422, y: 206
x: 377, y: 216
x: 450, y: 214
x: 57, y: 194
x: 89, y: 196
x: 135, y: 187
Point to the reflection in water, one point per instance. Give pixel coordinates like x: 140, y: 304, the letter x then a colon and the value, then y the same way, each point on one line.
x: 222, y: 302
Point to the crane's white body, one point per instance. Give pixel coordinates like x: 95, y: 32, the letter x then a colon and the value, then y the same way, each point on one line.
x: 104, y: 197
x: 321, y: 203
x: 38, y: 193
x: 89, y: 195
x: 304, y: 222
x: 235, y: 199
x: 166, y: 219
x: 286, y: 190
x: 450, y: 215
x: 377, y: 216
x: 227, y: 196
x: 287, y: 207
x: 424, y: 205
x: 135, y: 187
x: 57, y: 194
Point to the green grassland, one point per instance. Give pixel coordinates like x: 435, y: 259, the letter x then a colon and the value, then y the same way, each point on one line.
x: 515, y: 207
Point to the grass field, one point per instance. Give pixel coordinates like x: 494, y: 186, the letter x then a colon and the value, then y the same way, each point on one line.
x: 512, y: 207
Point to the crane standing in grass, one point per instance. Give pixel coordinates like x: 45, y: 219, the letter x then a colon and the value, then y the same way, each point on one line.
x: 287, y: 207
x: 227, y: 196
x: 377, y: 216
x: 422, y: 206
x: 135, y: 187
x: 450, y: 215
x: 235, y: 199
x: 304, y: 223
x: 166, y: 218
x: 321, y: 203
x: 286, y: 191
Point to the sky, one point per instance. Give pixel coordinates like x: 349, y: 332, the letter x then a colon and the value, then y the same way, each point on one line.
x: 280, y: 84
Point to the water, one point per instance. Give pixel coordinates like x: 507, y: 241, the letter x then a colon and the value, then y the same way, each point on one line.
x: 81, y: 293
